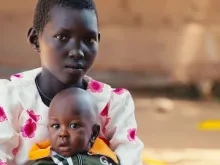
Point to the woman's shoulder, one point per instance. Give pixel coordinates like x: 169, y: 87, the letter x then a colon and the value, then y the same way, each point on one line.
x: 8, y: 87
x: 105, y: 90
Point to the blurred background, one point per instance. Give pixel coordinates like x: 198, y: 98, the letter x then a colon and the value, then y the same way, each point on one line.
x: 166, y: 52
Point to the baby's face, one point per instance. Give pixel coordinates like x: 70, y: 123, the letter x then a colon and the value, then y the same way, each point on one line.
x: 69, y: 131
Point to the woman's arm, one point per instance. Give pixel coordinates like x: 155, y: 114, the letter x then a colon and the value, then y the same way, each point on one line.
x: 9, y: 138
x: 122, y: 128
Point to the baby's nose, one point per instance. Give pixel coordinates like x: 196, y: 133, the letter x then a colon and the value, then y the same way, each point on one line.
x: 64, y: 133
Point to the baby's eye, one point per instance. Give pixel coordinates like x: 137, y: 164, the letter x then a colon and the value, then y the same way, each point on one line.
x: 56, y: 126
x: 61, y: 37
x: 74, y: 126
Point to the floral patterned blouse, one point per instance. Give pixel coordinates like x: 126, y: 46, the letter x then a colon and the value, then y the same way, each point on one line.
x: 23, y: 119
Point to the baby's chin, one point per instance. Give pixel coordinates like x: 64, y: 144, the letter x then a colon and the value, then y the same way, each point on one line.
x: 66, y: 154
x: 64, y: 151
x: 67, y: 151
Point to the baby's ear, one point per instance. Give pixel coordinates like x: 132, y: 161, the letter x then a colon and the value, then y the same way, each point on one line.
x: 95, y: 132
x: 32, y: 37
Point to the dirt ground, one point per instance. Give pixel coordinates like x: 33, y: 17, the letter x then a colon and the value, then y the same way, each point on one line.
x: 169, y: 130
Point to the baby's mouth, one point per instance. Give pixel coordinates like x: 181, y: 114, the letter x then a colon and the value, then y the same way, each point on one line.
x: 64, y: 147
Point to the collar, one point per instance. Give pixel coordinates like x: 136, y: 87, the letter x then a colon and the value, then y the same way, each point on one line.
x: 43, y: 149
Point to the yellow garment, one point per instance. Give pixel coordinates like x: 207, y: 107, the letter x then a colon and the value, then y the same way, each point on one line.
x: 42, y: 150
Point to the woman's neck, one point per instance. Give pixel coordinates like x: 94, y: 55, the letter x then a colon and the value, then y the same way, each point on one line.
x: 50, y: 85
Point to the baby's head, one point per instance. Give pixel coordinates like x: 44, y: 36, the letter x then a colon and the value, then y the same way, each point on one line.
x: 65, y: 33
x: 72, y: 122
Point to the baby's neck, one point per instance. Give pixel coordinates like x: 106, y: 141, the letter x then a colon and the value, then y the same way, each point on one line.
x: 55, y: 153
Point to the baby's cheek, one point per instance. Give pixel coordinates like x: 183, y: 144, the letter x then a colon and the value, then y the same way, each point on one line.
x: 80, y: 141
x: 53, y: 138
x: 50, y: 135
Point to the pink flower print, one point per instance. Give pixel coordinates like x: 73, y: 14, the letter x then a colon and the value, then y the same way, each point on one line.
x: 105, y: 111
x: 29, y: 129
x: 2, y: 163
x: 33, y: 116
x: 105, y: 124
x: 2, y: 115
x: 132, y: 134
x: 15, y: 151
x: 95, y: 86
x: 18, y: 75
x: 119, y: 91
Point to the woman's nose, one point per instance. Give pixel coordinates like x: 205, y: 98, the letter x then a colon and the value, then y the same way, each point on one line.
x: 76, y: 54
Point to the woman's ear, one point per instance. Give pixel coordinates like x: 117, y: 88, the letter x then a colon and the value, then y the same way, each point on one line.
x: 32, y: 37
x: 99, y: 37
x: 95, y: 132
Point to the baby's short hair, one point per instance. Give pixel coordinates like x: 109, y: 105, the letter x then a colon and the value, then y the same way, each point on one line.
x: 44, y: 7
x: 76, y: 96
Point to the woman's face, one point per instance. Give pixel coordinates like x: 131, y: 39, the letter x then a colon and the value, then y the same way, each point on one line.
x: 69, y: 43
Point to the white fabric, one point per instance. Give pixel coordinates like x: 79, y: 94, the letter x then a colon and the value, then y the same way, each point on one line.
x: 23, y: 119
x: 70, y: 161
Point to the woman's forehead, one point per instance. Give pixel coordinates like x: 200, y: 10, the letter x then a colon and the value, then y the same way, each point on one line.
x: 68, y: 18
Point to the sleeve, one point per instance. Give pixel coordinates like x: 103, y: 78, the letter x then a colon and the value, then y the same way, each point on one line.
x: 122, y: 129
x: 9, y: 138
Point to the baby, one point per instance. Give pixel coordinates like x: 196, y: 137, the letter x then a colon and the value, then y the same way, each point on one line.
x: 73, y: 133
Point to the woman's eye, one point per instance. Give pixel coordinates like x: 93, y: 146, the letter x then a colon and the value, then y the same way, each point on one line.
x: 74, y: 126
x: 61, y: 37
x: 56, y: 126
x: 90, y: 40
